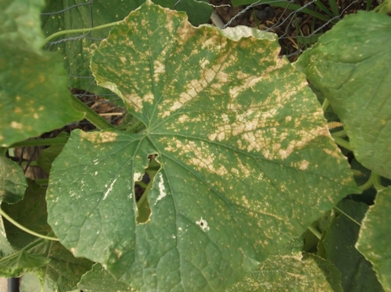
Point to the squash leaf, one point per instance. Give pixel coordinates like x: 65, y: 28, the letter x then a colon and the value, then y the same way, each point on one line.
x: 246, y: 158
x: 348, y: 65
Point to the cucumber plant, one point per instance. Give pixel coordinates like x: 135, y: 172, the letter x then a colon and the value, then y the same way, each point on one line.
x: 242, y: 180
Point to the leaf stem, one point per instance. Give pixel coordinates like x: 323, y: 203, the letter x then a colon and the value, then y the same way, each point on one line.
x: 341, y: 134
x: 80, y: 30
x: 341, y: 142
x: 315, y: 232
x: 325, y: 104
x: 368, y: 184
x: 5, y: 215
x: 90, y: 115
x: 134, y: 128
x: 351, y: 218
x: 377, y: 181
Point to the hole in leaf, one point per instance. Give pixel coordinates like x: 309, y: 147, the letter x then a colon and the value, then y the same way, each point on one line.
x: 142, y: 187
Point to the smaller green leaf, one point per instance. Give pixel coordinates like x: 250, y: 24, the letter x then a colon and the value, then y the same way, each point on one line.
x: 30, y: 213
x: 32, y: 283
x: 12, y: 181
x: 64, y: 270
x: 337, y: 246
x: 98, y: 279
x: 21, y: 262
x: 5, y: 246
x: 198, y: 11
x: 47, y: 156
x: 290, y: 270
x: 375, y: 237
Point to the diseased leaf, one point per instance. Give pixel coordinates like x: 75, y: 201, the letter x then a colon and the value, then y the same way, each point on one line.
x: 290, y: 270
x: 32, y: 83
x: 12, y: 181
x: 246, y: 159
x: 98, y: 279
x: 348, y: 66
x: 286, y: 273
x: 77, y: 50
x: 375, y: 237
x: 337, y: 246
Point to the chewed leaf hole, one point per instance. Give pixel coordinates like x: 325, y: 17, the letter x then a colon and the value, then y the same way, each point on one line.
x: 142, y: 187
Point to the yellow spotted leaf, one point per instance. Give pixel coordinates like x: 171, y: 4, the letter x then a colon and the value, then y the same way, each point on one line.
x: 245, y: 157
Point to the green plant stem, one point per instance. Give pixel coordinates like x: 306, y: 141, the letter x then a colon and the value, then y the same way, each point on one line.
x: 357, y: 172
x: 325, y: 104
x: 5, y: 215
x: 90, y: 115
x: 341, y: 134
x: 368, y: 184
x: 315, y: 232
x: 134, y: 128
x: 41, y: 142
x: 384, y: 7
x: 341, y: 142
x: 351, y: 218
x: 29, y: 163
x: 295, y: 7
x: 80, y: 30
x: 376, y: 181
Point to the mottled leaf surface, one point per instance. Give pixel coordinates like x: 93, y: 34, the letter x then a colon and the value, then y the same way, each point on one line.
x: 375, y: 237
x: 290, y: 270
x: 32, y: 83
x: 337, y: 246
x: 349, y: 66
x: 77, y: 48
x: 286, y: 273
x: 246, y: 157
x: 12, y: 181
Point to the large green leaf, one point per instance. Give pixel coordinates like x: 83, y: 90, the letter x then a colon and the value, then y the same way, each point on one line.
x: 375, y: 237
x: 12, y: 181
x: 349, y: 66
x: 337, y: 246
x: 246, y: 159
x: 32, y: 83
x: 76, y: 14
